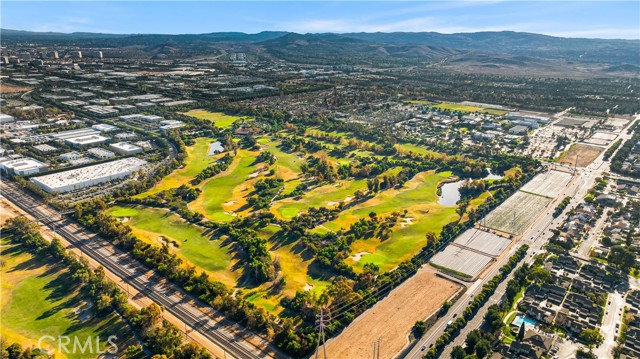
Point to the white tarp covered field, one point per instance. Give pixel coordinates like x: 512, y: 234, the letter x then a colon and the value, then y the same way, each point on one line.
x: 461, y: 261
x: 516, y: 213
x: 482, y: 241
x: 548, y: 184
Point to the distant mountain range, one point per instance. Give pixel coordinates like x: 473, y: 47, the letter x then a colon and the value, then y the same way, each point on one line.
x: 508, y: 46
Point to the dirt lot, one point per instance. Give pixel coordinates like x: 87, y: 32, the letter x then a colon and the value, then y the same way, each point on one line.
x: 5, y: 88
x: 585, y: 154
x: 392, y: 319
x: 6, y: 211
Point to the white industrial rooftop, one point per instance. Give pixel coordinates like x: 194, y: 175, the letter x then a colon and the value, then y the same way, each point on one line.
x: 80, y: 175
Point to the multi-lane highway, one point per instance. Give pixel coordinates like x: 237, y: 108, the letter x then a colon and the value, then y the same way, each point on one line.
x: 231, y: 338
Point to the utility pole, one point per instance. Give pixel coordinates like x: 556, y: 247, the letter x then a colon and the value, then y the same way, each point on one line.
x: 320, y: 322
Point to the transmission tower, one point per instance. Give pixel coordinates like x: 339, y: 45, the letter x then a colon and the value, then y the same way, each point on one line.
x: 320, y: 322
x: 376, y: 348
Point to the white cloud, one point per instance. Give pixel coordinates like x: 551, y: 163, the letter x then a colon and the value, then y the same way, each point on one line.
x: 602, y: 33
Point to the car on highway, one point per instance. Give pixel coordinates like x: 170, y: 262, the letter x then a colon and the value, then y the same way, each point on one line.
x: 423, y: 347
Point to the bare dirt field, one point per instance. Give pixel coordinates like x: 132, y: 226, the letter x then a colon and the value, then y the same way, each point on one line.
x: 584, y: 153
x: 392, y: 319
x: 6, y: 88
x: 6, y: 211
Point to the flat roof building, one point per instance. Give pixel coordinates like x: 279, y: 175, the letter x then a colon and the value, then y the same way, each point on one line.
x: 526, y: 116
x: 22, y: 166
x: 139, y: 116
x: 103, y: 127
x: 100, y: 153
x: 79, y: 178
x: 44, y: 148
x: 125, y: 148
x: 4, y: 118
x: 519, y: 130
x: 69, y: 156
x: 86, y: 140
x: 170, y: 124
x: 74, y: 133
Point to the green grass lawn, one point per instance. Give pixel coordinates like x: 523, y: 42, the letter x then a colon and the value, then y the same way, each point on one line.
x: 320, y: 196
x: 297, y: 268
x: 40, y: 298
x: 418, y: 196
x: 494, y: 112
x: 287, y: 165
x: 196, y: 161
x: 220, y: 119
x: 456, y: 107
x: 416, y: 149
x: 468, y: 109
x: 323, y: 196
x: 299, y: 274
x: 150, y: 224
x: 419, y: 102
x: 226, y: 188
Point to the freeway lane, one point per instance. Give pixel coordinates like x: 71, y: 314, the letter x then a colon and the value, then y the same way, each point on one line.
x: 201, y: 318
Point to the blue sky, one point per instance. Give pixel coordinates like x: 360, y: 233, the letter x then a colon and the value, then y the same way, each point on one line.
x: 594, y: 19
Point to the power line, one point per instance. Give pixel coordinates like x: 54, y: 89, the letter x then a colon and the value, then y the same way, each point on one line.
x: 344, y: 308
x: 376, y: 348
x: 320, y: 322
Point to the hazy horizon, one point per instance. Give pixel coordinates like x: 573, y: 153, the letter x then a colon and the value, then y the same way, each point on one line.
x: 591, y: 19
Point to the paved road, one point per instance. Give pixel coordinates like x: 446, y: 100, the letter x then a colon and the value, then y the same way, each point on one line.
x: 201, y: 318
x: 536, y: 236
x: 613, y: 315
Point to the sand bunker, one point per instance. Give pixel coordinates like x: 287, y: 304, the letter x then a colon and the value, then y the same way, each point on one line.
x: 164, y: 240
x: 407, y: 221
x: 258, y: 173
x: 307, y: 287
x: 356, y: 257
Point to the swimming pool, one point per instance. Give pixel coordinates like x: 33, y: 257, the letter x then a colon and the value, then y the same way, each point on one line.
x: 522, y: 318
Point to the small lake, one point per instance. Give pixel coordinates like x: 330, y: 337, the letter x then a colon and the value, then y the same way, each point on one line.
x: 449, y: 194
x: 215, y: 147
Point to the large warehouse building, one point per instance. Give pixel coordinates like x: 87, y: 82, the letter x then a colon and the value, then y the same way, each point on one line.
x: 79, y: 178
x: 22, y: 166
